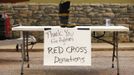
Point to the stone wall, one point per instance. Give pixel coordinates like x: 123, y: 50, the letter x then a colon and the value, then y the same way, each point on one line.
x: 81, y: 14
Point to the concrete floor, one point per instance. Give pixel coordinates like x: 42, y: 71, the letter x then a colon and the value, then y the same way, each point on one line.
x: 10, y: 63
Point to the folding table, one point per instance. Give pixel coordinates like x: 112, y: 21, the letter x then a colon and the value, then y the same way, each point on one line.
x: 114, y: 29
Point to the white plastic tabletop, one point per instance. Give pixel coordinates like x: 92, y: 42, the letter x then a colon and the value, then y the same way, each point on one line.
x: 93, y: 28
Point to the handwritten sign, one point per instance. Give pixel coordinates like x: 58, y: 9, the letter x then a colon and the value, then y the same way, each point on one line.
x: 67, y: 47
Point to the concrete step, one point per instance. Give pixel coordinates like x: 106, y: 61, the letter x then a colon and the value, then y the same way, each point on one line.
x: 95, y: 47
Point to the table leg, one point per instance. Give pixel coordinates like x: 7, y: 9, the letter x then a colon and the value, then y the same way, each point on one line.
x: 115, y: 51
x: 27, y: 53
x: 117, y: 56
x: 23, y: 53
x: 114, y: 46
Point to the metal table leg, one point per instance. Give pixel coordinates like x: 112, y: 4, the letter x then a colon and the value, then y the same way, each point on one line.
x: 114, y: 46
x: 117, y: 57
x: 24, y: 51
x: 27, y: 53
x: 115, y: 51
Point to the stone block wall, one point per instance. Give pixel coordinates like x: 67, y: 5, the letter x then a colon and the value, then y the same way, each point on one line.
x: 81, y: 14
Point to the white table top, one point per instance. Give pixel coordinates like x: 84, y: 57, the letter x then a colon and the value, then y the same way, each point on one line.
x: 93, y: 28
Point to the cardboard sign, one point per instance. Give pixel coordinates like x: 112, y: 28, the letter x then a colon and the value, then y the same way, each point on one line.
x: 67, y: 47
